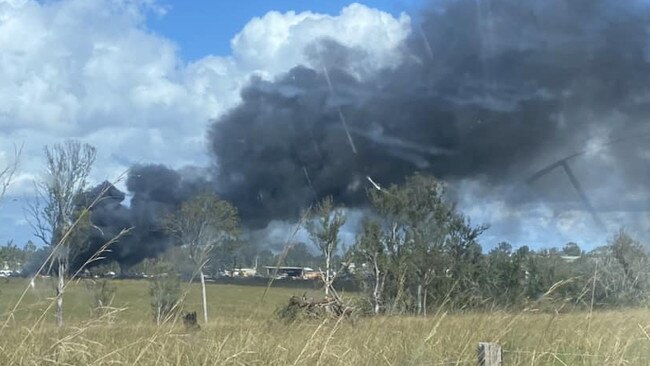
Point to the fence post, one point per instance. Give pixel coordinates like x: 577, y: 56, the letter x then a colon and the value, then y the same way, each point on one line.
x: 489, y: 354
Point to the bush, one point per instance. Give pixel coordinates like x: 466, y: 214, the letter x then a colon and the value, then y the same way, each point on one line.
x: 302, y: 308
x: 103, y: 293
x: 165, y: 292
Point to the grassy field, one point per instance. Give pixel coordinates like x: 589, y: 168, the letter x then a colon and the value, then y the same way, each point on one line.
x: 243, y: 331
x: 133, y: 296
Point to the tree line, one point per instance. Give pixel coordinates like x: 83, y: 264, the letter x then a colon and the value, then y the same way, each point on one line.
x: 416, y: 251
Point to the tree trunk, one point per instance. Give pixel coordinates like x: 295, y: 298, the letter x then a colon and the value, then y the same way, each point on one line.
x: 376, y: 308
x: 59, y: 293
x: 425, y: 302
x: 419, y: 299
x: 375, y: 293
x: 400, y: 291
x: 205, y: 300
x: 327, y: 275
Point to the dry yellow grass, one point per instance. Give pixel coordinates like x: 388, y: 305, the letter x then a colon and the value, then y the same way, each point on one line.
x: 243, y: 332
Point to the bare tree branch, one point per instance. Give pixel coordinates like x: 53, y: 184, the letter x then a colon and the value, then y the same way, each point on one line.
x: 55, y: 212
x: 8, y: 172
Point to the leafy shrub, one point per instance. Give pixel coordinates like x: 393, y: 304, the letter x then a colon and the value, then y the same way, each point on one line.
x: 165, y: 292
x: 103, y: 293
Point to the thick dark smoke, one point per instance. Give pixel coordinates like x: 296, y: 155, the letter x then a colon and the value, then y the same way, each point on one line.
x: 486, y: 90
x: 156, y: 192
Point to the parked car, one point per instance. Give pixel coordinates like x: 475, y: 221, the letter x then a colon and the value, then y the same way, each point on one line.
x: 5, y: 273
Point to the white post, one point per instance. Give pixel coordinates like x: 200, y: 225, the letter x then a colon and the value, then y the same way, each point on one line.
x: 489, y: 354
x: 205, y: 300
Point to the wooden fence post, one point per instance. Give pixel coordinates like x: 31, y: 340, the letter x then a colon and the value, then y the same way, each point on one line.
x: 489, y: 354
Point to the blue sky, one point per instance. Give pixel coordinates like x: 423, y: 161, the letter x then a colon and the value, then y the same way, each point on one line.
x: 203, y: 27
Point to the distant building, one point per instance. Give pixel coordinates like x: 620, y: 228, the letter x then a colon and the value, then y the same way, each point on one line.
x: 244, y: 272
x: 304, y: 273
x: 11, y: 267
x: 570, y: 258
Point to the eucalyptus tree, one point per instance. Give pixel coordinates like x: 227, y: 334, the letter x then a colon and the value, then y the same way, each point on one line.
x: 424, y: 236
x: 202, y: 224
x: 370, y: 250
x: 324, y: 224
x: 55, y: 214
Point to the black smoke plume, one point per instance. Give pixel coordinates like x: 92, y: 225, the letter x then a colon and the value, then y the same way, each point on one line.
x: 490, y: 91
x: 156, y: 191
x: 486, y: 90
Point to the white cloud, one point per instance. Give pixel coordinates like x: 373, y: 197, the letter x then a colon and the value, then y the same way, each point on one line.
x: 266, y: 43
x: 91, y: 70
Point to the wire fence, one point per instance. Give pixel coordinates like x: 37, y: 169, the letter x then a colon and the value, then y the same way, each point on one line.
x: 541, y: 353
x: 569, y: 354
x: 459, y: 362
x: 536, y: 353
x: 496, y: 357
